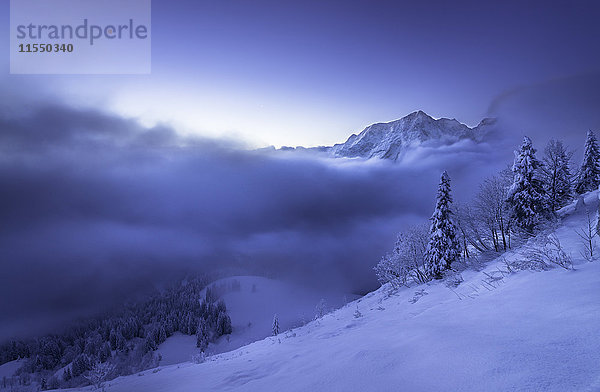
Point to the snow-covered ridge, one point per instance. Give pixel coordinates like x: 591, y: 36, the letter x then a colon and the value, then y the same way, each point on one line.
x: 495, y: 331
x: 391, y: 140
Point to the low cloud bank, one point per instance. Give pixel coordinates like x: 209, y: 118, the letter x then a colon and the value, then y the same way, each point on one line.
x: 95, y: 208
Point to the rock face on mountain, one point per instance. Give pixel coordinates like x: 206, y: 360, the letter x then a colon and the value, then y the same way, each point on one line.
x: 390, y: 140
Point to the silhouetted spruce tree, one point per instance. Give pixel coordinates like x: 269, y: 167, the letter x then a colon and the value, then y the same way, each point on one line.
x: 443, y: 248
x: 526, y: 197
x: 202, y: 337
x: 589, y: 174
x: 557, y: 174
x: 275, y: 329
x: 67, y: 374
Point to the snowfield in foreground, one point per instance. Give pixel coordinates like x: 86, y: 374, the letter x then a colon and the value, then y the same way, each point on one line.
x: 529, y: 331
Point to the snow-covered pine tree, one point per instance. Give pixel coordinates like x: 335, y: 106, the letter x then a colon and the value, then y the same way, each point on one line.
x: 202, y: 337
x: 589, y: 175
x: 527, y: 198
x: 443, y: 248
x: 275, y: 325
x: 557, y: 174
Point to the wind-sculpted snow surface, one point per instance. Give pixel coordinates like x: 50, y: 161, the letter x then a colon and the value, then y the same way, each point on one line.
x: 390, y: 140
x: 525, y: 331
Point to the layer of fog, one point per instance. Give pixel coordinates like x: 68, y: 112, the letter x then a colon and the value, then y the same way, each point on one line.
x: 95, y: 208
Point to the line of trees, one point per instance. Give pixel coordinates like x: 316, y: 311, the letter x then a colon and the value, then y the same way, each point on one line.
x: 507, y: 208
x: 125, y: 340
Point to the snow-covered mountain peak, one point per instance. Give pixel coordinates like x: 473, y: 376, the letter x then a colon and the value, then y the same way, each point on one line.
x: 390, y: 140
x: 419, y: 115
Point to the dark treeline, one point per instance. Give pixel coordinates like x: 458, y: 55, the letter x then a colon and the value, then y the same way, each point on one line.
x: 124, y: 340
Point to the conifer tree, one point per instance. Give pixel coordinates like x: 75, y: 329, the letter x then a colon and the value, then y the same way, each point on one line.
x: 557, y: 174
x: 589, y: 175
x: 443, y: 248
x: 275, y: 325
x: 223, y: 324
x: 526, y: 197
x: 202, y: 337
x: 67, y: 374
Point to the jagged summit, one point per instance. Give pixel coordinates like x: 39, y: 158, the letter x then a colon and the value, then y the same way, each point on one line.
x: 390, y: 140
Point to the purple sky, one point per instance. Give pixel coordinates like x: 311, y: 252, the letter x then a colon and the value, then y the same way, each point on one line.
x: 311, y: 72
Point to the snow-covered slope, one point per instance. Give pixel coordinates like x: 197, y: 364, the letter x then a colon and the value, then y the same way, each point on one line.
x: 257, y: 299
x: 9, y: 369
x: 525, y: 331
x: 177, y: 348
x: 252, y: 301
x: 390, y: 140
